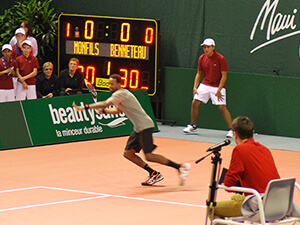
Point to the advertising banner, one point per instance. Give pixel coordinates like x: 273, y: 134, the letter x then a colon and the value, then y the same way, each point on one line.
x: 54, y: 120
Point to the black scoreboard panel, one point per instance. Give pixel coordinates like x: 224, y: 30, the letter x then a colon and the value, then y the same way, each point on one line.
x: 108, y: 45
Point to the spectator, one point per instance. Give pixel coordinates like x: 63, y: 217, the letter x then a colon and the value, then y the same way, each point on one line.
x: 27, y: 67
x: 20, y: 36
x: 47, y: 83
x: 29, y: 36
x: 71, y: 79
x: 7, y: 65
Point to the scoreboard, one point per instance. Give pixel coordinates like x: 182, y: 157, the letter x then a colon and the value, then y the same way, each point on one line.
x: 107, y: 45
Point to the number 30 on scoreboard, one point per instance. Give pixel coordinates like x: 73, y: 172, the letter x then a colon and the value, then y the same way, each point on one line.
x: 107, y: 45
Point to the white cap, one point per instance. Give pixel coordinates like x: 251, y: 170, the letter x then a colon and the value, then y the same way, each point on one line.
x: 6, y: 46
x: 20, y: 31
x: 208, y: 42
x: 27, y: 42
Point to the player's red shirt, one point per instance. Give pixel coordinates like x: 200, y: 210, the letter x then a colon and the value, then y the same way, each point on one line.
x: 212, y: 67
x: 253, y: 165
x: 26, y: 66
x: 6, y: 81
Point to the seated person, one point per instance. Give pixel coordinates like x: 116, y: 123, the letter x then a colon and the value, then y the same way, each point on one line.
x: 248, y: 159
x: 71, y: 79
x: 47, y: 83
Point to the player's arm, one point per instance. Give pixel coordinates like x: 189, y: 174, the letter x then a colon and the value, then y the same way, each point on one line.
x: 12, y: 72
x: 4, y: 72
x: 99, y: 106
x: 8, y: 71
x: 25, y: 86
x: 197, y: 81
x: 221, y: 85
x: 32, y: 74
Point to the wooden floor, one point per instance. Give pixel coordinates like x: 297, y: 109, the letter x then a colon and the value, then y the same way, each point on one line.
x: 91, y: 183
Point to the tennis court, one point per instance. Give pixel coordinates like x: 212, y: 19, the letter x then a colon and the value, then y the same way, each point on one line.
x: 90, y: 182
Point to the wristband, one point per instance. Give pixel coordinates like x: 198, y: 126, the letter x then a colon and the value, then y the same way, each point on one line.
x: 86, y: 106
x: 194, y: 89
x: 103, y: 111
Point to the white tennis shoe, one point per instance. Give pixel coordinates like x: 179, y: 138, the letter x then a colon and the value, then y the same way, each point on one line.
x: 190, y: 128
x: 184, y: 171
x: 230, y: 133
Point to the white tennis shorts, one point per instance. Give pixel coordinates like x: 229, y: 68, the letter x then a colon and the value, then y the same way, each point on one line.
x: 7, y: 95
x: 23, y: 94
x: 205, y: 92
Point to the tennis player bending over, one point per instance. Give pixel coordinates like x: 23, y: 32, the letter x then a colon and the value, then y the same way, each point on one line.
x: 141, y: 137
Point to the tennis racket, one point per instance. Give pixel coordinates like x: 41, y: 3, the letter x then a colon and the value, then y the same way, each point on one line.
x: 93, y: 92
x: 91, y: 89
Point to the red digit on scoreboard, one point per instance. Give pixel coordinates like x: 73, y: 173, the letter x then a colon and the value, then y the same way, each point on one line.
x: 124, y: 76
x: 125, y: 32
x: 134, y: 79
x: 149, y: 35
x: 81, y: 68
x: 68, y: 30
x: 90, y: 73
x: 107, y: 67
x: 89, y: 29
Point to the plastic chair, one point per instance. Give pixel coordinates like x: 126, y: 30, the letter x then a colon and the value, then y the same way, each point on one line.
x: 273, y: 208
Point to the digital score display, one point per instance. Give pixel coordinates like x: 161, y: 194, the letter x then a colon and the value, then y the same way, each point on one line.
x: 108, y: 45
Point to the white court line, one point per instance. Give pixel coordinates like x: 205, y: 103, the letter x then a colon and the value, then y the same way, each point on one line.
x: 50, y: 203
x: 20, y: 189
x: 99, y: 195
x: 125, y: 197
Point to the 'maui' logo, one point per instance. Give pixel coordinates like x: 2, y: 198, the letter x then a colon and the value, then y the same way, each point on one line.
x: 277, y: 22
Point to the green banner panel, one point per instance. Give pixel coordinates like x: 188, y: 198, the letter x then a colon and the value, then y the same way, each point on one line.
x: 50, y: 121
x: 56, y: 121
x: 13, y: 132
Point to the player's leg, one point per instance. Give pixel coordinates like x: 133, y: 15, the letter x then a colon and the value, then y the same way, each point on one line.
x: 202, y: 95
x: 2, y: 95
x: 146, y: 140
x: 182, y: 168
x: 195, y: 111
x: 223, y: 108
x: 133, y: 157
x: 15, y: 82
x: 226, y: 114
x: 31, y: 92
x: 21, y: 92
x: 10, y: 95
x: 132, y: 148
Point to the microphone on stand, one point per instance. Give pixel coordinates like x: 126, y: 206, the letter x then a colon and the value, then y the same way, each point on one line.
x: 213, y: 148
x: 221, y: 144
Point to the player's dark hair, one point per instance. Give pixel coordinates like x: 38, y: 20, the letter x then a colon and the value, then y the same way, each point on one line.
x: 117, y: 77
x: 243, y: 127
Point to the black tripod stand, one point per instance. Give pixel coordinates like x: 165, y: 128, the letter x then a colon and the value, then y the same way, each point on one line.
x: 216, y: 161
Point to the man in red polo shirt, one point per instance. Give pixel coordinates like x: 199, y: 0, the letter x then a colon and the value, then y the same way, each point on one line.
x: 7, y: 65
x: 27, y: 67
x: 251, y: 164
x: 214, y: 67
